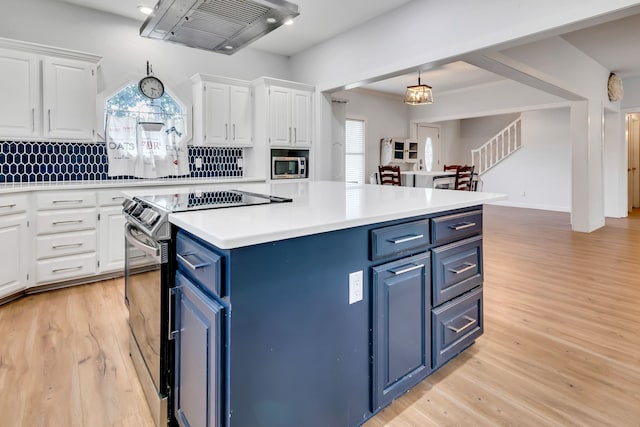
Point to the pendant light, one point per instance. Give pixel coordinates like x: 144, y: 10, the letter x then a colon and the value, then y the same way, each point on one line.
x: 419, y: 94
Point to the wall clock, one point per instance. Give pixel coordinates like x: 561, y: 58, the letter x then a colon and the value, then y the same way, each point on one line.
x: 151, y: 86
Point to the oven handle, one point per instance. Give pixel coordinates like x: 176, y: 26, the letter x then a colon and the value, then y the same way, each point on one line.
x: 138, y: 244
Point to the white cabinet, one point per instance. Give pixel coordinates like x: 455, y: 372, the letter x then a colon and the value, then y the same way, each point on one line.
x: 290, y: 117
x: 20, y: 83
x: 52, y: 92
x: 69, y: 99
x: 66, y: 240
x: 14, y: 246
x: 111, y: 223
x: 222, y: 112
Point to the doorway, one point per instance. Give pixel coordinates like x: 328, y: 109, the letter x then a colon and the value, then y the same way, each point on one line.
x: 633, y: 168
x: 429, y: 145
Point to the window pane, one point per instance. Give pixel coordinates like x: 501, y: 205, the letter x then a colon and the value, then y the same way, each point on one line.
x: 354, y: 151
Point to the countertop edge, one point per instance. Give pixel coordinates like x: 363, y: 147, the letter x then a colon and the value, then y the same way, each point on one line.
x: 181, y: 219
x: 8, y: 188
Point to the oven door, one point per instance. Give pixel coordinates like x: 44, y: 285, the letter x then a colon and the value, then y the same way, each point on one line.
x: 146, y: 289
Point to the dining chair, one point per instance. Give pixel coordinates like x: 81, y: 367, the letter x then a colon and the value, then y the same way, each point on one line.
x: 450, y: 167
x: 389, y: 175
x: 464, y: 176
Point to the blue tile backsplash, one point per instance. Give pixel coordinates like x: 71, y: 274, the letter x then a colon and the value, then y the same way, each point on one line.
x: 22, y: 161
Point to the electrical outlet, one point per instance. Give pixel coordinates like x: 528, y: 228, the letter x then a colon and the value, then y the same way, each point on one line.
x: 355, y: 287
x: 523, y: 194
x: 198, y: 163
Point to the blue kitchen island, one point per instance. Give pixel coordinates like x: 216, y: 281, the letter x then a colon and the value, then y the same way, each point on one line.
x: 321, y: 311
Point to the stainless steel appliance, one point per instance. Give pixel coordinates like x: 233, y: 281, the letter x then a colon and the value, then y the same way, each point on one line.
x: 288, y: 167
x: 220, y: 26
x: 149, y: 277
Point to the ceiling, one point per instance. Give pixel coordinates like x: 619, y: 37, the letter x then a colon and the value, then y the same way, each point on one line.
x: 615, y: 45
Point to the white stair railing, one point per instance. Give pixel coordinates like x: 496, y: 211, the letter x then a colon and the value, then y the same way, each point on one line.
x: 498, y: 148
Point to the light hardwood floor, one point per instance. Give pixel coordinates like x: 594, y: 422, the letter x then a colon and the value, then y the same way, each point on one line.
x: 561, y: 344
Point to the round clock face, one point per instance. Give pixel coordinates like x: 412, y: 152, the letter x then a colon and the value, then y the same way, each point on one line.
x: 151, y: 87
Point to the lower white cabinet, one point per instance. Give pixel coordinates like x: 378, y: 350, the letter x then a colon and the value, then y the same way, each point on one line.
x: 68, y: 267
x: 66, y: 240
x: 111, y: 232
x: 14, y: 253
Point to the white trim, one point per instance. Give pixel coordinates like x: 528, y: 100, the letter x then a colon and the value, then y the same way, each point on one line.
x: 533, y: 206
x: 41, y: 49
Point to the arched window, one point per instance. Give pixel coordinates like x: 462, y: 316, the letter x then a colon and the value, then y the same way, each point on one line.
x: 129, y: 101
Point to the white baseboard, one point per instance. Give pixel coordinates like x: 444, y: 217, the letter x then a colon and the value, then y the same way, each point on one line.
x: 533, y: 206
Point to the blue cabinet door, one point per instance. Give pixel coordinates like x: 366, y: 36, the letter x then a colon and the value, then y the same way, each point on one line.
x: 198, y: 381
x: 401, y: 334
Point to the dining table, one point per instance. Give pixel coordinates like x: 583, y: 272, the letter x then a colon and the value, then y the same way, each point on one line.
x: 423, y: 178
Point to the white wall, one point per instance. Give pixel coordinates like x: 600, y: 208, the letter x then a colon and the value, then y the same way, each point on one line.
x: 541, y: 169
x: 387, y: 116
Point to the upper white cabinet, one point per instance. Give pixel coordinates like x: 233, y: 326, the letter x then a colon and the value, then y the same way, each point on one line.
x: 290, y: 116
x: 52, y: 92
x: 20, y: 84
x: 223, y: 111
x: 69, y: 95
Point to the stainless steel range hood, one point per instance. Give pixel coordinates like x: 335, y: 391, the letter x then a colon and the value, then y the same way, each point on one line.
x: 222, y: 26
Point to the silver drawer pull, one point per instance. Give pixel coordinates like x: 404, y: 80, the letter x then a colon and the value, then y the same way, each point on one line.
x: 68, y: 201
x: 138, y: 256
x: 62, y: 270
x: 114, y: 198
x: 467, y: 266
x: 74, y: 221
x: 12, y: 205
x: 405, y: 239
x: 462, y: 225
x: 70, y: 245
x: 405, y: 269
x: 470, y: 323
x: 194, y: 267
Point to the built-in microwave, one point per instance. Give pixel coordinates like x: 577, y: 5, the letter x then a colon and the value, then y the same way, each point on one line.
x: 288, y: 167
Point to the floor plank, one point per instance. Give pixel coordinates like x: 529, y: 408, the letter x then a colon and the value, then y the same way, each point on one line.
x: 560, y: 348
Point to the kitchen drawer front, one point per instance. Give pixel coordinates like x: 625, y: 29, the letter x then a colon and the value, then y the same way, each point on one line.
x: 397, y: 239
x: 65, y: 200
x: 13, y: 203
x: 69, y: 267
x: 456, y: 325
x: 200, y: 263
x: 110, y: 197
x: 66, y: 220
x: 54, y: 245
x: 457, y: 226
x: 457, y: 268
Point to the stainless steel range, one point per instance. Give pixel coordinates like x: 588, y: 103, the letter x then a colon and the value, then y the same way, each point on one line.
x: 149, y: 276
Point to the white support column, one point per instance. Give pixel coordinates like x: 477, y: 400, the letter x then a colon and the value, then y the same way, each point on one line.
x: 587, y: 182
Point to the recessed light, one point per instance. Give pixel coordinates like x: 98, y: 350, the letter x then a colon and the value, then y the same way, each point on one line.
x: 228, y: 47
x: 145, y: 10
x: 288, y: 22
x: 271, y: 20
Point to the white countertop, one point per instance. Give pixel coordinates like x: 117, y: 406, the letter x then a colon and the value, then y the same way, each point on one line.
x: 318, y: 207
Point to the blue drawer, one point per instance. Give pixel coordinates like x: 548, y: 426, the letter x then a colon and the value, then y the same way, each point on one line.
x: 398, y: 239
x: 200, y: 263
x: 455, y: 326
x: 457, y: 268
x: 455, y: 227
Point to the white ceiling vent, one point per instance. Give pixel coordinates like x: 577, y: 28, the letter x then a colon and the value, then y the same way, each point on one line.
x: 222, y: 26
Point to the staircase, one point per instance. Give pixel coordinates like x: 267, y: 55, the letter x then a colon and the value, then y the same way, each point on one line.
x: 498, y: 148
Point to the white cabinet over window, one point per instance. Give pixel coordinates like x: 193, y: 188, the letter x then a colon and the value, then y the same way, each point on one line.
x: 223, y: 111
x: 57, y: 104
x: 14, y: 246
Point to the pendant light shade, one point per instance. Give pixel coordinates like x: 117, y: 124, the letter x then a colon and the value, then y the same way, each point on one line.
x: 419, y: 94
